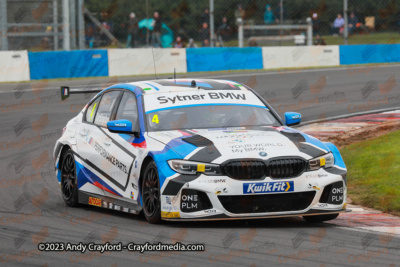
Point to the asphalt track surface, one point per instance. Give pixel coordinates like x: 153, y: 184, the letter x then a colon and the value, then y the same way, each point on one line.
x: 32, y: 209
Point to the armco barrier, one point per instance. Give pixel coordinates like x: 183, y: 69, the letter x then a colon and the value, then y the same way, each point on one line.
x: 14, y: 66
x: 300, y: 56
x: 367, y: 54
x: 68, y: 64
x: 230, y: 58
x: 124, y: 62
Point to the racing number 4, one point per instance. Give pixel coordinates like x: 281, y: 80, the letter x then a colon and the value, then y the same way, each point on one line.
x: 155, y: 119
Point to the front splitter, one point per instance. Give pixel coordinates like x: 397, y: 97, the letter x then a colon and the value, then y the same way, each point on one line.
x: 221, y: 217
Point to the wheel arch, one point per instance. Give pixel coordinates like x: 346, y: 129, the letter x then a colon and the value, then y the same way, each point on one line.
x: 145, y: 162
x: 63, y: 150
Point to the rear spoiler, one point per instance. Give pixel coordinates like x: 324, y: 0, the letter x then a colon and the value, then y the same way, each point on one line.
x: 65, y: 92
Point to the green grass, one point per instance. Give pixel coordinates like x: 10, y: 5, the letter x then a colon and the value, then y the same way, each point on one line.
x: 374, y: 172
x: 366, y: 38
x: 372, y: 38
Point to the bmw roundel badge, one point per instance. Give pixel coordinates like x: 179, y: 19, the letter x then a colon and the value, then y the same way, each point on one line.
x: 262, y: 154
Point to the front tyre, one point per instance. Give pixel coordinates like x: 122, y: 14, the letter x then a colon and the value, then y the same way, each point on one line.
x: 151, y: 194
x: 320, y: 218
x: 69, y: 182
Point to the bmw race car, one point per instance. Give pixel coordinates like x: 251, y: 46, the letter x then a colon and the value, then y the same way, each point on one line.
x: 196, y: 150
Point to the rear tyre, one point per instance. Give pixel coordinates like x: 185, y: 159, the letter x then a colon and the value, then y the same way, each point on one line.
x: 320, y: 218
x: 151, y: 194
x: 69, y: 182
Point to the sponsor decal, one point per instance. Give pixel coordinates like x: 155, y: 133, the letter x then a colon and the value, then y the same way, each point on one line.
x: 212, y: 181
x: 116, y: 207
x: 95, y: 201
x: 167, y: 214
x: 169, y: 208
x: 240, y: 148
x: 110, y: 205
x: 272, y: 187
x: 190, y: 201
x: 168, y: 200
x: 105, y: 154
x: 316, y: 175
x: 125, y: 209
x: 336, y: 195
x: 183, y: 98
x: 235, y: 131
x: 132, y: 195
x: 210, y: 211
x: 220, y: 190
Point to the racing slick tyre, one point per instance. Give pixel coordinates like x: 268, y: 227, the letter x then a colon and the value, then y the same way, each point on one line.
x: 151, y: 194
x: 69, y: 182
x: 320, y: 218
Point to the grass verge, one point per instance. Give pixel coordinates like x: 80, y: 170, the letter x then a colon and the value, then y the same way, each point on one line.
x: 374, y: 172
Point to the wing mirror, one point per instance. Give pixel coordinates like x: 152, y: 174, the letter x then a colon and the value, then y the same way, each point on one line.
x: 122, y: 126
x: 292, y: 118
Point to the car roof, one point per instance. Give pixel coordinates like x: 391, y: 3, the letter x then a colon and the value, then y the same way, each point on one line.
x: 185, y: 85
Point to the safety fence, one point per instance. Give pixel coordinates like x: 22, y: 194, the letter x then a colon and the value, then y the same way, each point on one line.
x: 25, y: 66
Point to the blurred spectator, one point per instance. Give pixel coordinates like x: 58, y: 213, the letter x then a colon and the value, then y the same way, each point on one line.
x: 315, y: 24
x: 277, y: 13
x: 204, y: 34
x: 268, y: 15
x: 353, y: 22
x: 104, y: 40
x: 338, y: 24
x: 132, y: 31
x: 224, y: 31
x: 319, y: 40
x: 179, y: 43
x: 253, y: 43
x: 156, y: 35
x: 191, y: 44
x: 206, y: 43
x: 239, y: 15
x: 205, y: 17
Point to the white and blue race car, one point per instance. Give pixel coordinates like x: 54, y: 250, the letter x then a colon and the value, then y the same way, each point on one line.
x: 196, y: 150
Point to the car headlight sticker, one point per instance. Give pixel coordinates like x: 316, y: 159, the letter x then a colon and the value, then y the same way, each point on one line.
x: 325, y: 161
x: 192, y: 167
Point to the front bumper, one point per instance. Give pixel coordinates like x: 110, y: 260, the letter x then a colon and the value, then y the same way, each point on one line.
x: 222, y: 198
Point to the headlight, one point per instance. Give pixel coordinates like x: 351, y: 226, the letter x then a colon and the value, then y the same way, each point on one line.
x: 324, y: 161
x: 192, y: 167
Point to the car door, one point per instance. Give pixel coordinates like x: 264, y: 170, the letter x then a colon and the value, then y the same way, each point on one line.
x: 125, y: 143
x: 102, y: 171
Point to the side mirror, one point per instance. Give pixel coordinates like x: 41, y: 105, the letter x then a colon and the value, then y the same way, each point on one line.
x: 121, y: 126
x: 292, y: 118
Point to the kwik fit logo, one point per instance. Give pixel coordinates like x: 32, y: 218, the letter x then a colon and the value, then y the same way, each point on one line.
x: 273, y: 187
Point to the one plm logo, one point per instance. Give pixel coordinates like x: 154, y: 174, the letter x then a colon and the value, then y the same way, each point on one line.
x: 272, y: 187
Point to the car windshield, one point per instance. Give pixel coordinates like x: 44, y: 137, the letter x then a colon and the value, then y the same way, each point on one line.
x: 209, y: 116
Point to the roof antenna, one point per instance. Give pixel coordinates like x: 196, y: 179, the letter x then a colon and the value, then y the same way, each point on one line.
x: 154, y: 62
x: 174, y: 76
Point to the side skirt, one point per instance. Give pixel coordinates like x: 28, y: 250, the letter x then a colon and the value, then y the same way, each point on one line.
x: 108, y: 203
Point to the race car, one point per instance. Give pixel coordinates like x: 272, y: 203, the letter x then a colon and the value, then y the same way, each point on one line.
x: 196, y: 149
